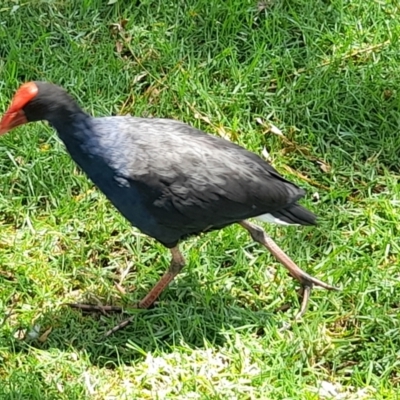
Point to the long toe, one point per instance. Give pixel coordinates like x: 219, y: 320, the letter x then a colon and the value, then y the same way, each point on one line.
x: 307, y: 280
x: 120, y: 326
x: 94, y: 308
x: 305, y: 294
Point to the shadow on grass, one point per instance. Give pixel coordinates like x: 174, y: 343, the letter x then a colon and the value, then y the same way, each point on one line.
x: 194, y: 320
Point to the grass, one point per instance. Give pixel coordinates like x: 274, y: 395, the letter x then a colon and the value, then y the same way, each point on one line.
x: 327, y: 75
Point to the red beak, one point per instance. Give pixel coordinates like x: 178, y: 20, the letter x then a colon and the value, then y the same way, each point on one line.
x: 11, y: 120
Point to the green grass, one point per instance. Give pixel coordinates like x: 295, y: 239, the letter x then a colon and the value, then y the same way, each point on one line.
x: 324, y: 72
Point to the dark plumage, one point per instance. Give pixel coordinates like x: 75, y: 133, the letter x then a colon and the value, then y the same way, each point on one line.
x: 167, y: 178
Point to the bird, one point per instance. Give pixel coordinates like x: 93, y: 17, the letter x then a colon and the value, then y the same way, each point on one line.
x: 168, y: 179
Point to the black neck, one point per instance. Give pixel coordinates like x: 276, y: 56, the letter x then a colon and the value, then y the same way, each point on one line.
x: 69, y: 124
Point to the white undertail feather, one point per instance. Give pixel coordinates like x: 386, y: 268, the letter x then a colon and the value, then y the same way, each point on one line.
x: 271, y: 219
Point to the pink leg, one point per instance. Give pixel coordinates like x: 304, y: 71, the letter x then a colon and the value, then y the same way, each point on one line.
x: 307, y: 281
x: 177, y: 263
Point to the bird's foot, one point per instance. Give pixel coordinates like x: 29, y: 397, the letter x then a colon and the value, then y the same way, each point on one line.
x: 308, y: 282
x: 87, y: 308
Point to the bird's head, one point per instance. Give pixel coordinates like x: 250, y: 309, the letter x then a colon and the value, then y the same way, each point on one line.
x: 36, y: 101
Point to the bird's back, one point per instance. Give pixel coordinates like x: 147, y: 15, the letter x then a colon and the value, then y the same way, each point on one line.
x: 172, y: 180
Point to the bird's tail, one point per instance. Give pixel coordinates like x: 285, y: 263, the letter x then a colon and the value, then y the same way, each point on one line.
x: 295, y: 214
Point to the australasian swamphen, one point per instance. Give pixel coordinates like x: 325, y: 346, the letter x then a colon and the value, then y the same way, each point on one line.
x: 169, y: 179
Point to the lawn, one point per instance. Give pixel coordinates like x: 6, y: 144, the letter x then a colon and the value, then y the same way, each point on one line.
x: 323, y: 73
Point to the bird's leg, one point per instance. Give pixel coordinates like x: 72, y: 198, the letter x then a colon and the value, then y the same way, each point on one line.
x: 307, y: 281
x: 176, y: 265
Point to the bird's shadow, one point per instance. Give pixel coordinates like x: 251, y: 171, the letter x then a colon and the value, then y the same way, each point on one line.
x: 184, y: 316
